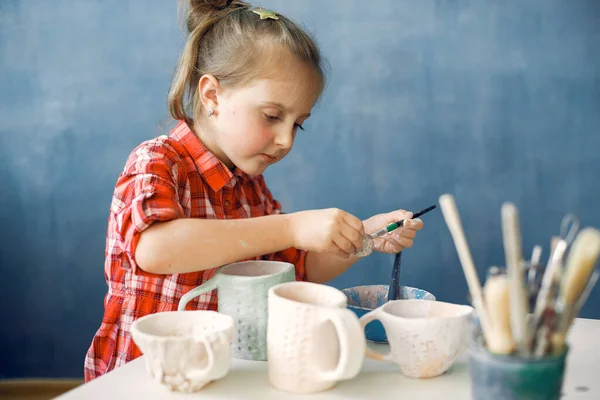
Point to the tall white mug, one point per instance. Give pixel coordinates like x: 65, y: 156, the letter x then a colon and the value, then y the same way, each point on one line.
x: 313, y: 341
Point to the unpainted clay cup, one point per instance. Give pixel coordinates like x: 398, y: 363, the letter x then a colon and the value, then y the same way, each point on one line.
x: 425, y: 336
x: 243, y: 292
x: 184, y: 351
x: 313, y: 340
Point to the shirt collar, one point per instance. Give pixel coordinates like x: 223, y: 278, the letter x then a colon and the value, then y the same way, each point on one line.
x: 212, y: 170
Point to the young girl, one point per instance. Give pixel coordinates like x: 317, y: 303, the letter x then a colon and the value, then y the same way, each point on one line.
x: 188, y: 203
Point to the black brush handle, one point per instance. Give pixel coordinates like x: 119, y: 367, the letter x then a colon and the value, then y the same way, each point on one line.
x: 394, y: 289
x: 417, y: 215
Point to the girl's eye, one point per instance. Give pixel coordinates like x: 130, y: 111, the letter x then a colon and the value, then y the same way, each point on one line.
x: 271, y: 117
x: 276, y: 118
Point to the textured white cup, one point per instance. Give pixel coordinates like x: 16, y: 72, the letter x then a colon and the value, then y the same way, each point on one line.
x: 313, y: 341
x: 185, y: 350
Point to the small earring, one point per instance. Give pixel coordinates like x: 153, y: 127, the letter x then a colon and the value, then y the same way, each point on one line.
x: 210, y: 112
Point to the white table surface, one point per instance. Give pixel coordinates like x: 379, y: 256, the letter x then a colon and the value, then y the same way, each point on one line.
x: 377, y: 380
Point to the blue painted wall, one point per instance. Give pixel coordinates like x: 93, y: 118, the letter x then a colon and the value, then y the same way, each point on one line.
x: 491, y: 101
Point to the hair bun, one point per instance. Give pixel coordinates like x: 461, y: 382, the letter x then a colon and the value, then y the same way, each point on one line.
x: 205, y: 6
x: 199, y: 10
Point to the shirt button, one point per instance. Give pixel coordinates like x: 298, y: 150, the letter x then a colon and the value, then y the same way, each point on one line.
x: 227, y: 203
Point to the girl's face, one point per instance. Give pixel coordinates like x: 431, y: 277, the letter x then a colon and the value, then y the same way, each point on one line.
x: 255, y: 125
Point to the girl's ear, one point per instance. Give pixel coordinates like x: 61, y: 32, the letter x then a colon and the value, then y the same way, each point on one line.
x: 208, y: 87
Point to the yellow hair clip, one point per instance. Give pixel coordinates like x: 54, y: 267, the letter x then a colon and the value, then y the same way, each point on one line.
x: 264, y: 13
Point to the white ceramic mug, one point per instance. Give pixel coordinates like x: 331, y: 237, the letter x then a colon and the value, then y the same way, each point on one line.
x: 425, y: 336
x: 313, y: 341
x: 185, y: 350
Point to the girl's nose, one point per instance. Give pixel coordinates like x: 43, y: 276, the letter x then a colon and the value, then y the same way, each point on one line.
x: 285, y: 138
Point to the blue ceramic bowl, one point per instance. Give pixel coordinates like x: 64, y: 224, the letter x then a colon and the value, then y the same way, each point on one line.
x: 362, y: 299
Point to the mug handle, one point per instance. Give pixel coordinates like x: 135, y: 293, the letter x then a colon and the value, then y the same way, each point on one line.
x: 376, y: 314
x: 207, y: 372
x: 352, y: 345
x: 217, y: 366
x: 207, y: 286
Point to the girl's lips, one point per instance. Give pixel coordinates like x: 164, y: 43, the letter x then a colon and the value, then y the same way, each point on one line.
x: 268, y: 158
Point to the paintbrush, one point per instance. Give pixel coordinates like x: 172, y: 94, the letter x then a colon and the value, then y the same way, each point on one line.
x: 511, y: 233
x: 497, y: 303
x: 452, y: 219
x: 394, y: 288
x: 577, y: 282
x: 395, y: 225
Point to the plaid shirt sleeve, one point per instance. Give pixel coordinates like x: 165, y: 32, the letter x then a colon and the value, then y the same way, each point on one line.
x: 291, y: 255
x: 146, y: 192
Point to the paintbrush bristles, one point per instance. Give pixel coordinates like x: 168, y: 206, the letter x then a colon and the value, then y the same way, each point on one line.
x: 580, y: 264
x: 497, y: 303
x: 452, y: 218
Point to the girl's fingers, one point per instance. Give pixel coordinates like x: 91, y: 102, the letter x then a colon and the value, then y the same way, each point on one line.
x: 344, y: 245
x: 407, y: 233
x: 414, y: 224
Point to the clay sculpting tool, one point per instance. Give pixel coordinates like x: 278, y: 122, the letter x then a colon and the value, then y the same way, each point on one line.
x: 536, y: 256
x: 544, y: 305
x: 534, y: 272
x: 513, y: 251
x: 454, y: 224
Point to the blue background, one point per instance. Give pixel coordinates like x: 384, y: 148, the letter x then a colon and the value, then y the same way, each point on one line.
x: 491, y: 101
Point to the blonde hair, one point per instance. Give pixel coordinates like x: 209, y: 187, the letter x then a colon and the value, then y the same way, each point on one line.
x: 228, y: 40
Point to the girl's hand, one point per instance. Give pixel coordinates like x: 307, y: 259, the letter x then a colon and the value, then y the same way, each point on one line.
x: 398, y: 240
x: 326, y: 231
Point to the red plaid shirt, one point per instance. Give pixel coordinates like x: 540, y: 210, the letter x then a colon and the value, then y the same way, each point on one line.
x: 169, y: 177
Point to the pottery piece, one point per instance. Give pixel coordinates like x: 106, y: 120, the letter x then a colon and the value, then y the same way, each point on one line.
x: 313, y: 341
x: 184, y: 351
x: 425, y: 336
x: 362, y: 299
x: 243, y: 292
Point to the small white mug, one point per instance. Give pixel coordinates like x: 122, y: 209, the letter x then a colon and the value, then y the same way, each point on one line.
x: 185, y: 350
x: 425, y: 336
x: 313, y: 341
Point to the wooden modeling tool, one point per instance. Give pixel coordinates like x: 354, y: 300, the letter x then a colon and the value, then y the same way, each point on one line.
x: 519, y: 309
x: 452, y: 218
